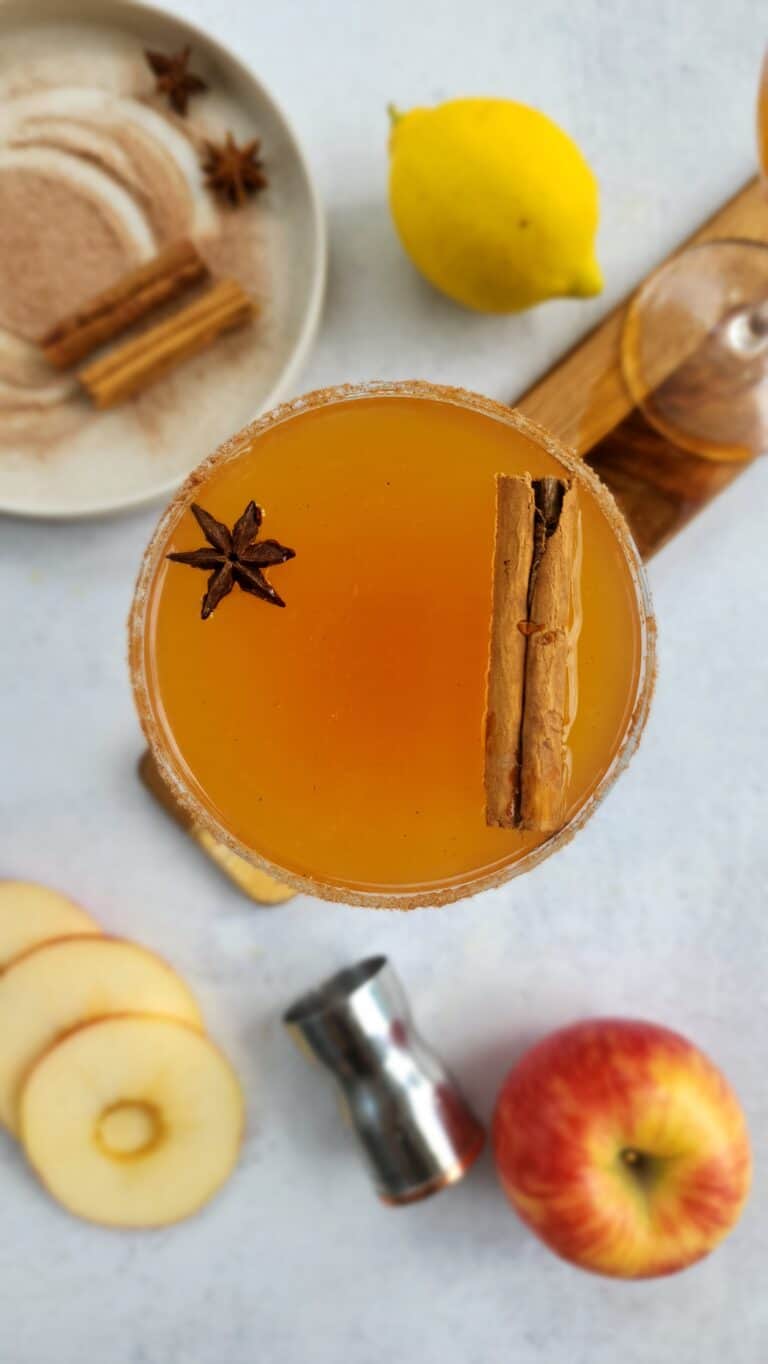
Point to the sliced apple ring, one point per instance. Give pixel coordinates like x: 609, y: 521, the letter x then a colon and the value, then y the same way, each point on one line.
x: 61, y: 984
x: 31, y: 915
x: 133, y: 1121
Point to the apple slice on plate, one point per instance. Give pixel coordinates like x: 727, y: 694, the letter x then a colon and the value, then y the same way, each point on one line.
x: 31, y: 914
x: 57, y: 986
x: 133, y: 1121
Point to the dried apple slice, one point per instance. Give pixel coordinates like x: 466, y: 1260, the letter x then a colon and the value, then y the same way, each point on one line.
x: 71, y: 981
x: 132, y: 1121
x: 31, y: 914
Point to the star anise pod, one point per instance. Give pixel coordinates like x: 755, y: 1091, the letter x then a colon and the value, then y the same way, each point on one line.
x: 234, y: 172
x: 233, y: 557
x: 173, y: 78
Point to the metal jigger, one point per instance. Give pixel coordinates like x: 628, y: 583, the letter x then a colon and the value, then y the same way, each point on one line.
x: 414, y: 1125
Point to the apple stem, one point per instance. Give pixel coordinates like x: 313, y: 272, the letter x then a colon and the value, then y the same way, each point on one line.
x: 640, y: 1165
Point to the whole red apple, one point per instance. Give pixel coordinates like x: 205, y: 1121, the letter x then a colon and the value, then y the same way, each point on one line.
x: 623, y: 1147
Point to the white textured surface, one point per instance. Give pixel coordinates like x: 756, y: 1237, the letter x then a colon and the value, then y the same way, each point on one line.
x: 658, y: 909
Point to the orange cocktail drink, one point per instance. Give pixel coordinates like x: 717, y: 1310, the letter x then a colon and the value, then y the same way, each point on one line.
x: 338, y: 739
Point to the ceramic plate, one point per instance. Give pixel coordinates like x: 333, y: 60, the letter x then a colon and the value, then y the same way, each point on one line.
x: 96, y: 173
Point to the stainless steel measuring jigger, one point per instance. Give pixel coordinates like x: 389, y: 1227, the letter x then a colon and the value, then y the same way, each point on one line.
x: 410, y: 1117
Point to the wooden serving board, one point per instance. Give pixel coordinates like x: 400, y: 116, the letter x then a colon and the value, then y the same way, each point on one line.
x: 584, y: 400
x: 256, y: 884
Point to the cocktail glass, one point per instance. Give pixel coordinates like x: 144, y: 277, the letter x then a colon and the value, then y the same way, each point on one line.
x: 337, y: 742
x: 695, y: 343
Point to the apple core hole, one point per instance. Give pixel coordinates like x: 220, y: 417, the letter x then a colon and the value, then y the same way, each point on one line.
x: 128, y: 1129
x: 640, y: 1165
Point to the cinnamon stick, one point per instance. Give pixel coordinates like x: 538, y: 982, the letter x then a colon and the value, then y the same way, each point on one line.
x: 545, y: 767
x: 535, y: 615
x: 111, y: 312
x: 136, y: 364
x: 512, y: 559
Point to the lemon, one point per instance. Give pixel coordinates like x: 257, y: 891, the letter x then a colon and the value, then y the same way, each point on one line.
x: 494, y: 204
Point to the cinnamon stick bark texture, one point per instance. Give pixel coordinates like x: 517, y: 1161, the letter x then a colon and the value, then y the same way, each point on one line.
x: 545, y: 767
x: 531, y: 674
x: 512, y: 560
x: 136, y: 364
x: 105, y: 316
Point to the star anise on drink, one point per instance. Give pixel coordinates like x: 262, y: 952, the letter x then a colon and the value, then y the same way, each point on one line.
x: 234, y: 172
x: 173, y: 77
x: 232, y: 557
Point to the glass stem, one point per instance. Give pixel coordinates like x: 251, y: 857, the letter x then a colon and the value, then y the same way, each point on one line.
x: 747, y: 329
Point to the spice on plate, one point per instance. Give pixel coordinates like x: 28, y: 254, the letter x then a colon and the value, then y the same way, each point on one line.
x: 133, y: 366
x: 174, y: 78
x: 176, y: 268
x: 234, y: 172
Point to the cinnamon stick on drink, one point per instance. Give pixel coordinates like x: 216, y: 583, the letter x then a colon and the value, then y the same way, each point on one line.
x: 111, y: 312
x: 513, y: 555
x: 531, y: 673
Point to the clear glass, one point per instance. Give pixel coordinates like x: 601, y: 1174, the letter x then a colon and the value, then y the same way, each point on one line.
x: 695, y: 343
x: 150, y: 712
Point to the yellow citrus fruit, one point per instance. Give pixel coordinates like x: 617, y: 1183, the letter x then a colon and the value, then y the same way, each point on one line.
x: 494, y: 204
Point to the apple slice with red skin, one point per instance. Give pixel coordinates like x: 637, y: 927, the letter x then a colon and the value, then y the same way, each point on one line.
x: 623, y: 1147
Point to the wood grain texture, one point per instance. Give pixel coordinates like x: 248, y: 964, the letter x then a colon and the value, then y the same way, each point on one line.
x: 584, y: 400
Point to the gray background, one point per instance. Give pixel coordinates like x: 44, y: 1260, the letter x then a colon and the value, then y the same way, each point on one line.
x: 658, y: 908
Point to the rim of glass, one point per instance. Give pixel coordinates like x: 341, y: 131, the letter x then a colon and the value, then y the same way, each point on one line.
x: 471, y: 883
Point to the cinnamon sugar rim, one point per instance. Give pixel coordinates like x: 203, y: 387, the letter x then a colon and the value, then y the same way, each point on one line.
x: 459, y: 887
